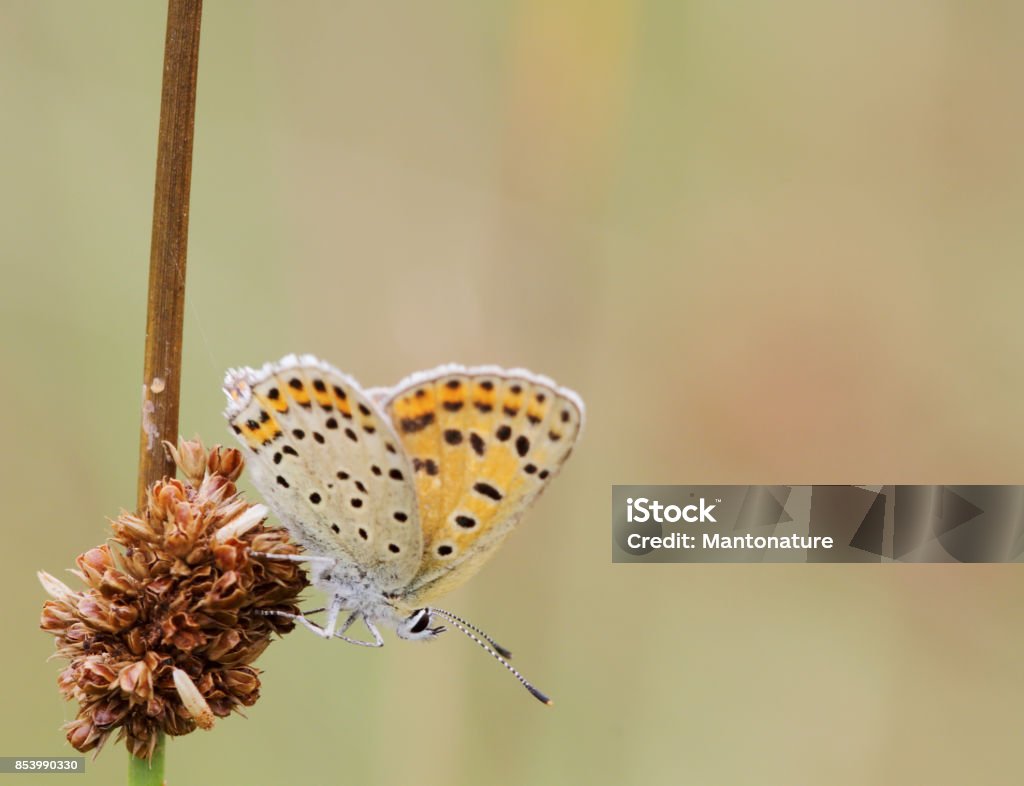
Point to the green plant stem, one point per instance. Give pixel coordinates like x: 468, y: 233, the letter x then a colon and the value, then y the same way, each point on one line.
x: 148, y: 773
x: 165, y: 312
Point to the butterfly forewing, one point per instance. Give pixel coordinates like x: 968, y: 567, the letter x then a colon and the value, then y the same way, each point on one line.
x: 329, y: 464
x: 483, y: 443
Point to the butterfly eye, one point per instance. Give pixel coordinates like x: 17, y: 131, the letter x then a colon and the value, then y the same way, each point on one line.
x: 421, y: 623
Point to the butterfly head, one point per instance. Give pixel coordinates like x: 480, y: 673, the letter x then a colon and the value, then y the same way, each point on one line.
x: 417, y: 626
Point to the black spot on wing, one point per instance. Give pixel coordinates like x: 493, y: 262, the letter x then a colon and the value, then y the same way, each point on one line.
x: 487, y: 490
x: 477, y: 442
x: 425, y: 465
x: 453, y: 436
x: 412, y: 425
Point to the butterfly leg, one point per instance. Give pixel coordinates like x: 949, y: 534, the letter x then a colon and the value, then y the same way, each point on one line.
x: 299, y: 618
x: 325, y: 632
x: 295, y: 558
x: 378, y: 640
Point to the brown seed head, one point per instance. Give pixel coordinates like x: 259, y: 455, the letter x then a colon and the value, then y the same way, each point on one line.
x: 163, y: 636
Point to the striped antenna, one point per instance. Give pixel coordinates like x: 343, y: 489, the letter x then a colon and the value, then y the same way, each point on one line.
x: 497, y: 647
x: 468, y: 629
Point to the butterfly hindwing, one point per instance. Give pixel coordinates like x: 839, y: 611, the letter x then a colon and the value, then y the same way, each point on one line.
x: 483, y: 444
x: 330, y: 465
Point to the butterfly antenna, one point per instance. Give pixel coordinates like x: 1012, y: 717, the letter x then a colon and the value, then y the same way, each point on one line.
x: 494, y: 645
x: 468, y: 629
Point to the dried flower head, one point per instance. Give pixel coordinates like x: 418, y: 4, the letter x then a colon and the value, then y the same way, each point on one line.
x: 166, y: 631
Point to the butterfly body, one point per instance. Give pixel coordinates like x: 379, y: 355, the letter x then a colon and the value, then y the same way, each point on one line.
x: 399, y: 495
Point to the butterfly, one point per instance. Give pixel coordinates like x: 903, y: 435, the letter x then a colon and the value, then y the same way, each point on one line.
x: 399, y: 495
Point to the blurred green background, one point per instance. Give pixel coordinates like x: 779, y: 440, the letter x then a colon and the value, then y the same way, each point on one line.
x: 767, y: 242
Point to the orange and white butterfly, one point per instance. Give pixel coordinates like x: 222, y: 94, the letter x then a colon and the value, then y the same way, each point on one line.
x: 399, y: 495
